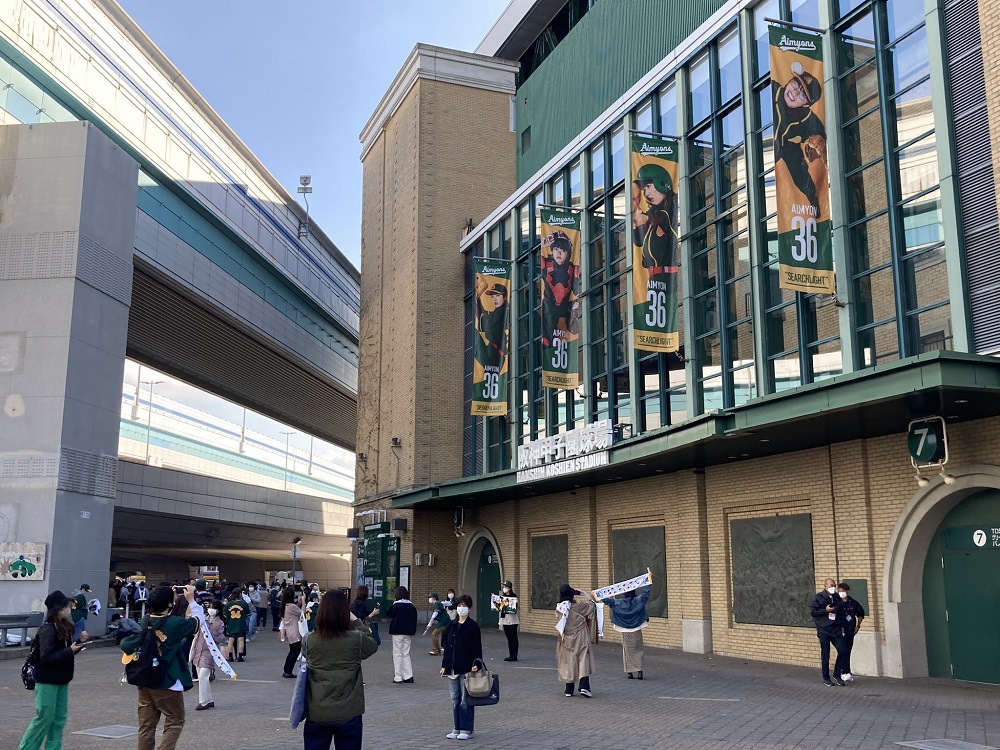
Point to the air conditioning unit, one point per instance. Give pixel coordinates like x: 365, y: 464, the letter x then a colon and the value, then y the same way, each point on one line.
x: 353, y: 533
x: 418, y: 558
x: 430, y: 560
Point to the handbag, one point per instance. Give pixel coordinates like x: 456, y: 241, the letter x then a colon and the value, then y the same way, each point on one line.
x: 490, y: 700
x: 300, y: 696
x: 478, y: 684
x: 28, y: 669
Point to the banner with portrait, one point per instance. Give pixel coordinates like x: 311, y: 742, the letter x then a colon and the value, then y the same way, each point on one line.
x: 491, y: 339
x: 655, y: 244
x: 801, y: 173
x: 560, y: 287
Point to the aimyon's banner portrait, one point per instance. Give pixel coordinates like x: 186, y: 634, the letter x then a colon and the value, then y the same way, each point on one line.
x: 490, y: 367
x: 655, y: 264
x: 801, y: 174
x: 560, y: 261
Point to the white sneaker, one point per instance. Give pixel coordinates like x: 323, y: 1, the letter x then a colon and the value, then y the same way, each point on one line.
x: 586, y: 692
x: 452, y: 735
x: 847, y: 677
x: 464, y: 735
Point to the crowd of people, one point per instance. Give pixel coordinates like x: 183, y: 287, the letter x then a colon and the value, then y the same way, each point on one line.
x: 200, y: 628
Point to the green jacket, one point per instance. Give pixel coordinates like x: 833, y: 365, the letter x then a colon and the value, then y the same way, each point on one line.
x: 173, y: 633
x: 310, y: 612
x: 78, y: 607
x: 275, y: 597
x: 336, y: 690
x: 237, y: 616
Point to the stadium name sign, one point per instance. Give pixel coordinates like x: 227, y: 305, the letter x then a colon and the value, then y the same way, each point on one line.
x: 566, y: 453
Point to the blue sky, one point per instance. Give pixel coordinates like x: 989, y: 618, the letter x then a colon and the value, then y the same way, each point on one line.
x: 298, y: 79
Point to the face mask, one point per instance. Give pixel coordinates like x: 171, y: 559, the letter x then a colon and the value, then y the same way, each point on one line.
x: 463, y: 611
x: 843, y: 594
x: 506, y: 590
x: 430, y: 601
x: 831, y: 590
x: 451, y: 595
x: 213, y: 612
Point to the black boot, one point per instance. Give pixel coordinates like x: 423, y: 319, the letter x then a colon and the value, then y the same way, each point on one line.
x: 630, y: 675
x: 640, y: 674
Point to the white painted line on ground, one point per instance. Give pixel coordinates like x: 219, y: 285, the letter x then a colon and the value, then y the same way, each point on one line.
x: 551, y: 669
x: 684, y: 698
x: 262, y: 682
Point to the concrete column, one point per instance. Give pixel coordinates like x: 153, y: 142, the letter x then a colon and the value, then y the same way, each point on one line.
x: 696, y: 599
x: 67, y: 227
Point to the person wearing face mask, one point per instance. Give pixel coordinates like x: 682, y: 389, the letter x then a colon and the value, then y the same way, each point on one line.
x: 201, y: 655
x: 828, y: 615
x: 53, y: 672
x: 436, y: 624
x: 574, y: 659
x: 509, y: 620
x: 463, y: 644
x: 854, y: 613
x: 449, y: 604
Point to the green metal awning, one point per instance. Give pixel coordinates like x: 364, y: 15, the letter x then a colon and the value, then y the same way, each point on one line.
x: 864, y: 404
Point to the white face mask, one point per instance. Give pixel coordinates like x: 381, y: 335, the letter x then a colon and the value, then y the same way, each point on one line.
x: 506, y: 590
x: 843, y: 594
x: 831, y: 590
x: 451, y: 595
x: 213, y: 612
x: 463, y: 611
x: 431, y: 600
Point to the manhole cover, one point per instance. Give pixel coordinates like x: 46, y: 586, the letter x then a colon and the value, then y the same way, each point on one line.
x: 114, y: 732
x: 945, y: 745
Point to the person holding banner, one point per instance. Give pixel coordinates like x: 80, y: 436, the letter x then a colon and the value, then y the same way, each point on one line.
x: 506, y: 605
x: 201, y: 654
x: 629, y: 617
x: 574, y: 660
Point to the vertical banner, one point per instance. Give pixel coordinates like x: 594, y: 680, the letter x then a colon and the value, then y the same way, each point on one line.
x: 490, y: 368
x: 560, y: 297
x: 802, y: 183
x: 655, y: 268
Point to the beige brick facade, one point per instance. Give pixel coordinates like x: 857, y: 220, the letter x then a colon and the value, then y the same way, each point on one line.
x: 855, y: 493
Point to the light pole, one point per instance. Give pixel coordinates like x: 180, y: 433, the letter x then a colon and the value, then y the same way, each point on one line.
x: 296, y: 554
x: 149, y: 413
x: 287, y: 435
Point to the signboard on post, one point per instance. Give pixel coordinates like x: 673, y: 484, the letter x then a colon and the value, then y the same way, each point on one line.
x: 926, y: 441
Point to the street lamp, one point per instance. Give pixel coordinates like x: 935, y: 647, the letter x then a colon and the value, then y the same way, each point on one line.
x: 149, y: 412
x: 296, y: 554
x: 287, y: 435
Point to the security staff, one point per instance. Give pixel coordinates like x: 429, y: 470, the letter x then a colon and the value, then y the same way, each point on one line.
x: 854, y: 613
x: 828, y: 615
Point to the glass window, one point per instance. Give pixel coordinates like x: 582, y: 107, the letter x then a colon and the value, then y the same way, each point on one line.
x: 901, y: 17
x: 668, y: 109
x: 524, y: 226
x: 701, y: 89
x: 761, y: 29
x: 597, y: 169
x: 617, y: 154
x: 575, y: 195
x: 644, y: 116
x: 730, y: 73
x: 557, y: 191
x: 805, y: 12
x: 910, y: 60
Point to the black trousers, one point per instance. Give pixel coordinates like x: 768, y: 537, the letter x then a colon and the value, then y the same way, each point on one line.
x: 275, y: 617
x: 827, y: 637
x: 294, y: 649
x: 261, y: 617
x: 584, y: 685
x: 848, y: 647
x: 511, y: 632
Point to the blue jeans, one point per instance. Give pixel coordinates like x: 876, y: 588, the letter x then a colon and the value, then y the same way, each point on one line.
x: 78, y: 628
x: 252, y: 624
x: 465, y: 715
x: 344, y: 736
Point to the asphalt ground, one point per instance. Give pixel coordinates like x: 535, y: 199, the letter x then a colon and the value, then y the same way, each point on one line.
x: 686, y: 702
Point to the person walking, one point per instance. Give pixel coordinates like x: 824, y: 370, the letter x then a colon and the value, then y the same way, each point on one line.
x: 828, y: 616
x: 463, y: 644
x: 236, y: 614
x: 629, y: 617
x: 78, y: 610
x: 574, y: 660
x: 336, y: 701
x: 201, y: 654
x: 290, y: 615
x: 167, y: 698
x: 274, y: 599
x: 438, y: 621
x: 310, y: 610
x: 402, y: 627
x: 260, y: 601
x: 362, y: 610
x: 53, y: 672
x: 509, y: 620
x: 854, y: 613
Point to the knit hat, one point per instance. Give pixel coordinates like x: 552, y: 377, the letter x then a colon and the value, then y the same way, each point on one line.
x: 56, y: 601
x: 567, y: 592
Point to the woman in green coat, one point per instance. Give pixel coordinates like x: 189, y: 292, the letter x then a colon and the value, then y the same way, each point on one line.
x: 336, y: 690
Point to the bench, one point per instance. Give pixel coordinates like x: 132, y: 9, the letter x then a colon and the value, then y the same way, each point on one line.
x: 20, y: 622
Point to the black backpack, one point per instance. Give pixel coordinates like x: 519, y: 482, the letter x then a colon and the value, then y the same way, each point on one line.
x: 28, y: 670
x: 146, y: 670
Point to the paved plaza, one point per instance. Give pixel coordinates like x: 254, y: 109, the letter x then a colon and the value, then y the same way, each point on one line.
x: 686, y: 702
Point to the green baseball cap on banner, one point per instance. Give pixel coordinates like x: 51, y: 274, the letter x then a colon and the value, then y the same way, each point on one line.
x: 655, y: 174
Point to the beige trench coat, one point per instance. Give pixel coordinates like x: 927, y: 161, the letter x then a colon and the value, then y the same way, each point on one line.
x: 573, y: 657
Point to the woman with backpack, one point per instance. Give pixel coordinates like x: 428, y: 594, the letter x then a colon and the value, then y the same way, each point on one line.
x: 54, y: 660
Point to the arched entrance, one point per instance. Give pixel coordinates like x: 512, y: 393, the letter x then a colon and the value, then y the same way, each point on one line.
x: 905, y: 652
x: 962, y: 591
x: 481, y: 575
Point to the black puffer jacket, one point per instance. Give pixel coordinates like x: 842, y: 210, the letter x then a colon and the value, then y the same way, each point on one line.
x: 55, y: 657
